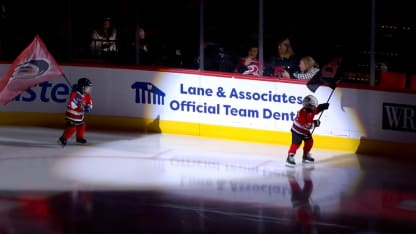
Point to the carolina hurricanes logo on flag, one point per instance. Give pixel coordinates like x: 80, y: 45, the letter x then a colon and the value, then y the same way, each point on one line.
x: 33, y: 66
x: 30, y: 70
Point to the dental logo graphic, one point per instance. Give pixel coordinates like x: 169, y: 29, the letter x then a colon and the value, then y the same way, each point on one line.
x: 205, y: 100
x: 147, y: 93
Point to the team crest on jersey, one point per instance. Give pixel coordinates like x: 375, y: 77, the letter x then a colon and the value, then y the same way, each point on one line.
x: 252, y: 69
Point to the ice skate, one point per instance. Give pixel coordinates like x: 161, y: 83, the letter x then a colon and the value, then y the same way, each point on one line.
x: 81, y: 141
x: 307, y: 159
x: 62, y: 141
x: 290, y: 161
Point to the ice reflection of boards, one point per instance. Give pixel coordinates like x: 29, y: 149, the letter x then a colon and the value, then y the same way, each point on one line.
x: 306, y: 212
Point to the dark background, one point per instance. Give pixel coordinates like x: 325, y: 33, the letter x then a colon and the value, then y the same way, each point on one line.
x: 321, y: 29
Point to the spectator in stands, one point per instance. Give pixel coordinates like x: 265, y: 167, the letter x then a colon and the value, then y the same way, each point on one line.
x: 143, y: 49
x: 284, y: 60
x: 104, y: 39
x: 307, y: 69
x: 249, y: 65
x: 216, y: 58
x: 211, y: 56
x: 173, y: 52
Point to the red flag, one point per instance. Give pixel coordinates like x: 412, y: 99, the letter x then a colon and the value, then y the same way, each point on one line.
x: 326, y: 76
x: 33, y: 66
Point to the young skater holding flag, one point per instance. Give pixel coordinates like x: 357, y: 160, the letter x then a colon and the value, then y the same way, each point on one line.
x: 302, y: 129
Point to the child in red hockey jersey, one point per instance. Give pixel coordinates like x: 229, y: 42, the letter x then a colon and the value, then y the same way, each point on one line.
x: 79, y: 103
x: 302, y: 126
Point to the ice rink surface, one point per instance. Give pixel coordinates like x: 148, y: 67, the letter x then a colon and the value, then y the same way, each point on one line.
x: 124, y: 182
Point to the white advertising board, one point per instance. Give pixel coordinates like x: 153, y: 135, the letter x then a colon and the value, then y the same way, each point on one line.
x: 227, y: 101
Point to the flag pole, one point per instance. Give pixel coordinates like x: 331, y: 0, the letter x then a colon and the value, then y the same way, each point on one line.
x: 332, y: 92
x: 329, y: 98
x: 330, y: 71
x: 67, y: 80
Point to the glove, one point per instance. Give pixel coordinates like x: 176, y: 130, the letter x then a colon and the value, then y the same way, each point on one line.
x: 323, y: 106
x: 317, y: 123
x: 87, y: 108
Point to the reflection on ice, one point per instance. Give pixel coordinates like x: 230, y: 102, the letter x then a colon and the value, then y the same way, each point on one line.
x: 253, y: 180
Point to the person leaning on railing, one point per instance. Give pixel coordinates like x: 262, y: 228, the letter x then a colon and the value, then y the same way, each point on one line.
x: 308, y: 68
x: 104, y: 39
x: 285, y: 59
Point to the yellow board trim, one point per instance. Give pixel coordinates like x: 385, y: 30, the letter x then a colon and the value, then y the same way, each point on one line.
x: 109, y: 123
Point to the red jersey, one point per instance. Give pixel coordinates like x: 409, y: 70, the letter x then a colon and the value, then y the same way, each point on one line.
x: 77, y: 105
x: 303, y: 123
